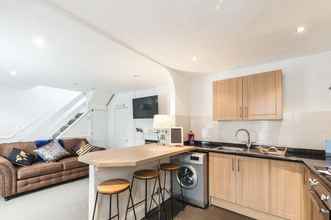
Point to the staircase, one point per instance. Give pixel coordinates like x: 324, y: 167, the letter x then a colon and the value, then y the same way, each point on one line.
x: 66, y: 127
x: 55, y: 123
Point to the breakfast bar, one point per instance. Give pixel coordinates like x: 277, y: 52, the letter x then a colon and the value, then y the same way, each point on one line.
x: 122, y: 163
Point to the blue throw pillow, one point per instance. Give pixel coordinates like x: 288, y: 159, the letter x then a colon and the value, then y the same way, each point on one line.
x: 40, y: 143
x: 61, y: 142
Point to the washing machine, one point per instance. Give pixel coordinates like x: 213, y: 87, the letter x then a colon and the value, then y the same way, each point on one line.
x: 193, y: 177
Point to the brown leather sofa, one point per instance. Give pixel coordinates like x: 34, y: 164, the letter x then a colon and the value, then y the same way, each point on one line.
x: 15, y: 180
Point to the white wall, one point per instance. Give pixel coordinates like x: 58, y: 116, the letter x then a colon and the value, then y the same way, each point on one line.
x: 22, y: 107
x: 307, y: 105
x: 182, y: 99
x: 94, y: 126
x: 122, y: 126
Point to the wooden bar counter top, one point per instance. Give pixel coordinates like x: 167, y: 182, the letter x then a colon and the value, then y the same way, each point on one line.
x: 132, y: 156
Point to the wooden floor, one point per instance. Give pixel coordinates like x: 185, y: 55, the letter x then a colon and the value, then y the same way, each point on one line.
x: 187, y: 212
x: 212, y: 213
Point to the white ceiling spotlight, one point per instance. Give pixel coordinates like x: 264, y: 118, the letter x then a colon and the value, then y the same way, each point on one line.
x: 301, y: 29
x: 194, y: 59
x: 39, y: 42
x: 219, y: 5
x: 13, y: 73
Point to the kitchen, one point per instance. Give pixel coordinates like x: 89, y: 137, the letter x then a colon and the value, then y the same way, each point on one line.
x: 260, y: 181
x: 215, y: 110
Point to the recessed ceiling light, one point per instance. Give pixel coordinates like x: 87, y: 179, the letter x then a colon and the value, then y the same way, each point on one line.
x: 39, y: 41
x: 194, y: 59
x: 219, y: 4
x: 300, y: 29
x: 13, y: 73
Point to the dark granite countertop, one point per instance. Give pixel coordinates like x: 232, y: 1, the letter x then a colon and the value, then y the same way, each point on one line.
x: 310, y: 158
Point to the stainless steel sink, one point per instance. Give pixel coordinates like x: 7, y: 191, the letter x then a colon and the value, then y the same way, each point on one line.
x: 230, y: 148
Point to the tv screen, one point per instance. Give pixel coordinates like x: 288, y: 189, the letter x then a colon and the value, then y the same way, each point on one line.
x: 145, y: 107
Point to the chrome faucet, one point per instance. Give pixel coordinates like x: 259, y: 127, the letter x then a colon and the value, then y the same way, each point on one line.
x: 249, y: 142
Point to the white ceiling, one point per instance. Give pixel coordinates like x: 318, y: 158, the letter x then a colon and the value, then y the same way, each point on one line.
x: 84, y: 39
x: 72, y: 55
x: 222, y: 34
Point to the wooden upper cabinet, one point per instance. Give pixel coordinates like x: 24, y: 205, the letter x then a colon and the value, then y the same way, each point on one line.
x: 227, y: 102
x: 254, y: 97
x: 262, y: 96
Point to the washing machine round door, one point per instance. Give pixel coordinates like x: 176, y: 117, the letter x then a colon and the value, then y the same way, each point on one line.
x: 187, y: 177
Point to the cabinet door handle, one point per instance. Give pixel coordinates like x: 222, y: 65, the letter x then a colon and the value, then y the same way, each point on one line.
x: 241, y: 112
x: 232, y: 164
x: 238, y: 165
x: 246, y: 111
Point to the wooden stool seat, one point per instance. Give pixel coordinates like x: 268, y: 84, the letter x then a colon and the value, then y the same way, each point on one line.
x: 146, y: 174
x: 113, y: 186
x: 169, y: 167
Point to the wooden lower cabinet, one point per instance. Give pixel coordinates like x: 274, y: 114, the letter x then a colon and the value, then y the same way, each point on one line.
x: 222, y: 171
x: 253, y: 183
x: 264, y: 189
x: 286, y: 189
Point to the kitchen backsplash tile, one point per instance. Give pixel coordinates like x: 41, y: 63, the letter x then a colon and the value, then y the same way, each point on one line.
x: 299, y: 129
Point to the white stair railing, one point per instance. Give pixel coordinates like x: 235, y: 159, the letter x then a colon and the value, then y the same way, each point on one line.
x: 70, y: 124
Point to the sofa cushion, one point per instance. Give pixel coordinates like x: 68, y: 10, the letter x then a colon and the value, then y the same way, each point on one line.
x: 71, y: 163
x: 40, y: 143
x: 6, y: 148
x: 52, y: 152
x: 21, y: 158
x: 38, y: 169
x: 72, y: 143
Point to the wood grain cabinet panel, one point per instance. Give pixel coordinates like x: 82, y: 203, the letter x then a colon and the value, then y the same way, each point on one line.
x: 287, y: 190
x: 222, y: 170
x: 227, y: 103
x: 261, y: 188
x: 253, y: 183
x: 262, y: 96
x: 254, y: 97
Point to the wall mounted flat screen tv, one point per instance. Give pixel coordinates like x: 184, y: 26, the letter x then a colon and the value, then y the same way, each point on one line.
x: 145, y: 107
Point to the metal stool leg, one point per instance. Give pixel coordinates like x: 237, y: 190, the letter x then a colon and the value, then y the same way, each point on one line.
x: 110, y: 198
x: 95, y: 205
x: 162, y: 197
x: 171, y: 196
x: 164, y: 183
x: 130, y: 198
x: 150, y: 204
x: 145, y: 198
x: 118, y: 208
x: 133, y: 208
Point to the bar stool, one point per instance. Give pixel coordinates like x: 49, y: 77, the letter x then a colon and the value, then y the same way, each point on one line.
x: 113, y: 187
x: 146, y: 175
x: 171, y: 168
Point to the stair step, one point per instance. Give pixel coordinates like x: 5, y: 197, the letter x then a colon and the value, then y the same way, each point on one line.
x: 78, y: 115
x: 71, y: 121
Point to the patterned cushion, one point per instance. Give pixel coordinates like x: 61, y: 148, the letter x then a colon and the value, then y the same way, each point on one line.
x: 86, y: 149
x: 77, y: 146
x: 20, y: 157
x: 52, y: 152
